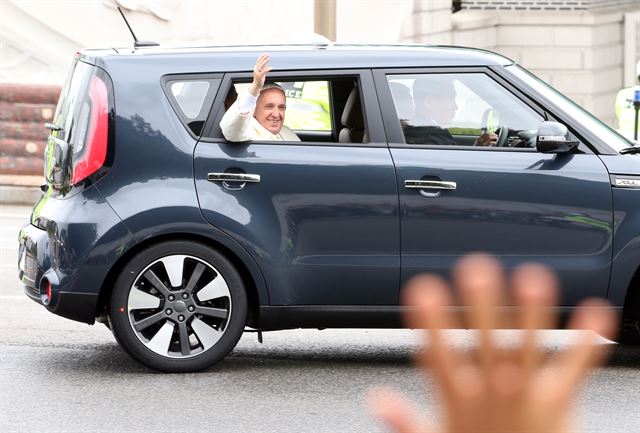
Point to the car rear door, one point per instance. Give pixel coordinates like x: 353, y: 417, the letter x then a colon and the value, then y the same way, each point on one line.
x: 513, y: 202
x: 320, y: 218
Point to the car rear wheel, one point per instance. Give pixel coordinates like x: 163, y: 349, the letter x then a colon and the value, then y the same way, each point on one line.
x: 178, y: 306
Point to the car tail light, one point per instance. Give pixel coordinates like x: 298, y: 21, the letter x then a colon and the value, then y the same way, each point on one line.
x: 93, y: 153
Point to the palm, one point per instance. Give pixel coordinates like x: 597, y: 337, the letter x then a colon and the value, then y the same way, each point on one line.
x: 496, y: 389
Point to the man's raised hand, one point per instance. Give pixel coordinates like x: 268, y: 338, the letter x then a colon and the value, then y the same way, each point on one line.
x: 260, y: 71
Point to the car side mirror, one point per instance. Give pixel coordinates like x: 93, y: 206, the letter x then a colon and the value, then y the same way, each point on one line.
x: 552, y: 138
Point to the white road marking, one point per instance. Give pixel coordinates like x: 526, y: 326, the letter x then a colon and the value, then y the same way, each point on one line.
x: 13, y: 297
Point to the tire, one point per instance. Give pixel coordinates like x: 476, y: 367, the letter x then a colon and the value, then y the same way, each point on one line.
x: 178, y: 306
x: 630, y: 330
x: 630, y: 333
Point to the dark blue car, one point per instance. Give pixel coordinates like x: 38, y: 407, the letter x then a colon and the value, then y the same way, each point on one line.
x: 154, y: 224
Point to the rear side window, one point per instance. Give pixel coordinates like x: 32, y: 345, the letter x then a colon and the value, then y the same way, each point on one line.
x: 308, y: 107
x: 319, y: 109
x: 191, y: 98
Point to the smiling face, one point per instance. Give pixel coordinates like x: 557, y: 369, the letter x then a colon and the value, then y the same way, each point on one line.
x: 270, y: 108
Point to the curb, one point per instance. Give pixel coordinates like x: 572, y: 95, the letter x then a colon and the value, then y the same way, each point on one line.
x: 19, y: 195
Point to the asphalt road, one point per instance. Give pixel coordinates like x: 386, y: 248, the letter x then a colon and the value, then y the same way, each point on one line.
x: 61, y: 376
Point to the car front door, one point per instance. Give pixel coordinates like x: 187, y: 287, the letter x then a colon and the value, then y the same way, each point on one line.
x: 320, y: 218
x: 458, y: 197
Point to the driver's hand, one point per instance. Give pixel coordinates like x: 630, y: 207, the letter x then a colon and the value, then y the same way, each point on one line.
x: 486, y: 139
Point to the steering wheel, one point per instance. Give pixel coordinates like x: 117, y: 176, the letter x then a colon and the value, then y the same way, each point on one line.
x: 502, y: 131
x: 503, y: 134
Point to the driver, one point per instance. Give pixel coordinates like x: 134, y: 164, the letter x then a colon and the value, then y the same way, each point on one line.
x: 435, y: 106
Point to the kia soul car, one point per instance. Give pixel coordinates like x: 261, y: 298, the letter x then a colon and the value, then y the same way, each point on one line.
x: 178, y: 240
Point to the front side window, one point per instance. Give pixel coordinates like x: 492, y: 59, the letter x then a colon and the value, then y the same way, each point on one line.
x: 461, y: 110
x: 590, y: 122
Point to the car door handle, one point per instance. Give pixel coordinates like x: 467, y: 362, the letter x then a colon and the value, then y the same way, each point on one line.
x: 233, y: 177
x: 429, y: 184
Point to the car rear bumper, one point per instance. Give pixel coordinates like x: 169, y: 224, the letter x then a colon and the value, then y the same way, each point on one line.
x: 36, y: 266
x: 71, y: 244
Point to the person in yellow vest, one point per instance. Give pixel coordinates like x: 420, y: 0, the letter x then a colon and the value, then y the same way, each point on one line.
x: 625, y: 111
x: 258, y: 113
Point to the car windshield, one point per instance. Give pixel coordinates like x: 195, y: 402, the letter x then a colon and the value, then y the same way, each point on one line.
x: 602, y: 130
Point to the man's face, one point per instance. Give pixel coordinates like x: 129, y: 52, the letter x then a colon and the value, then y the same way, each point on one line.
x: 270, y: 108
x: 441, y: 107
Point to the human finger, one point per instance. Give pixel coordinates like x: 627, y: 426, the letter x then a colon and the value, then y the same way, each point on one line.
x: 264, y: 57
x: 480, y: 282
x: 535, y: 290
x: 396, y: 411
x: 264, y: 63
x: 429, y: 295
x: 593, y: 316
x: 261, y: 63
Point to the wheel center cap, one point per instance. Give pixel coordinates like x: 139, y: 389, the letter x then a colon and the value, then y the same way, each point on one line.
x: 180, y: 306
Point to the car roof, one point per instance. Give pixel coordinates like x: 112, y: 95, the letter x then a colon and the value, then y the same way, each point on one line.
x: 310, y: 56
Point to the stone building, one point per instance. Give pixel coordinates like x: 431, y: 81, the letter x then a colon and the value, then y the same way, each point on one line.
x: 587, y: 49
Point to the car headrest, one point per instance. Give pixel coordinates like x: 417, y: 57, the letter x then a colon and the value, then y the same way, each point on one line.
x: 352, y: 113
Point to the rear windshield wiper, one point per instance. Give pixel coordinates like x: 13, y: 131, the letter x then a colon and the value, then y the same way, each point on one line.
x: 628, y: 150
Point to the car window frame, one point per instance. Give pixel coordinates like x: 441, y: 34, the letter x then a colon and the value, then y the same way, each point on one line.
x: 395, y: 135
x: 589, y: 142
x: 364, y: 77
x: 167, y: 80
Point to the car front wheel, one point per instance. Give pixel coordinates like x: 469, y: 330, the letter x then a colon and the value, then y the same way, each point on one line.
x: 178, y: 307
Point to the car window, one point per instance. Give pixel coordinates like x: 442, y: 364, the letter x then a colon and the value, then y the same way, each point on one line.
x: 190, y: 96
x: 456, y: 109
x: 191, y: 99
x: 318, y: 110
x: 308, y: 106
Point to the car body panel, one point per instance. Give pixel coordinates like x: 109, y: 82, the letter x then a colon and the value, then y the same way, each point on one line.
x: 626, y: 243
x: 519, y: 206
x: 75, y: 243
x: 150, y: 185
x: 322, y: 223
x: 622, y: 164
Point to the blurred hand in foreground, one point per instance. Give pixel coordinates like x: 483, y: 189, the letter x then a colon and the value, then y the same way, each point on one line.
x: 496, y: 389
